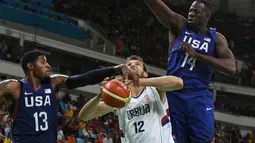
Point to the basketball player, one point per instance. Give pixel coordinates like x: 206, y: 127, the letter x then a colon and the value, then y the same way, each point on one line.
x: 33, y: 100
x: 144, y: 119
x: 193, y: 53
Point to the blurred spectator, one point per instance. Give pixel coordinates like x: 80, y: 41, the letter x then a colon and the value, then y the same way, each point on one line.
x: 3, y: 48
x: 17, y: 53
x: 72, y: 127
x: 69, y: 111
x: 253, y: 78
x: 107, y: 138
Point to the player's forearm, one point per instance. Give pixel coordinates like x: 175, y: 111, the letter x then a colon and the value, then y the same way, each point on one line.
x: 225, y: 65
x: 92, y: 77
x: 88, y: 109
x: 164, y: 83
x: 161, y: 11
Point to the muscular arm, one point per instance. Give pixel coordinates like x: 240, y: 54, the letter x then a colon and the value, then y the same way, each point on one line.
x: 90, y: 78
x: 94, y: 108
x: 164, y: 83
x: 173, y: 21
x: 10, y: 86
x: 224, y: 60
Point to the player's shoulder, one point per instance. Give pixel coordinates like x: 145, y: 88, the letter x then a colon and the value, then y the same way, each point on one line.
x: 11, y: 82
x: 11, y: 86
x: 151, y: 89
x: 58, y: 76
x: 219, y: 34
x: 220, y: 37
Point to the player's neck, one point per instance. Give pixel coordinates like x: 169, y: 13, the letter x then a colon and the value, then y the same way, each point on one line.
x: 199, y: 29
x: 34, y: 82
x: 136, y: 91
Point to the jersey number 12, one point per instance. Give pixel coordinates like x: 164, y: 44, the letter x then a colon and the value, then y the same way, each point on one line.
x: 190, y: 61
x: 139, y: 127
x: 41, y: 116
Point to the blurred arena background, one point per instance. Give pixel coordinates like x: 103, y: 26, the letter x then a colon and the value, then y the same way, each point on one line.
x: 79, y: 35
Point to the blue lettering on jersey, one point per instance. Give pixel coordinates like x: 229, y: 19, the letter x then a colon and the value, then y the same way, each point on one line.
x: 196, y: 74
x: 35, y: 116
x: 138, y: 111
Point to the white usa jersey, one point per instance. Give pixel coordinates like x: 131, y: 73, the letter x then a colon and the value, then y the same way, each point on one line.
x: 140, y: 120
x: 166, y: 124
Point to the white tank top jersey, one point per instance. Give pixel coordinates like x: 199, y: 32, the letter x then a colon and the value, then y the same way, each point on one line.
x: 140, y: 120
x: 166, y: 124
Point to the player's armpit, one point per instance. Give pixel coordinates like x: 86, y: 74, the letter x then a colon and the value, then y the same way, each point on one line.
x: 172, y: 20
x: 163, y: 83
x: 11, y: 86
x: 94, y: 108
x: 162, y: 95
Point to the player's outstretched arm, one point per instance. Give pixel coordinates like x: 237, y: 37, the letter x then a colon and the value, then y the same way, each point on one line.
x: 224, y: 60
x: 163, y: 83
x: 173, y: 21
x: 11, y: 86
x: 90, y: 78
x: 94, y: 108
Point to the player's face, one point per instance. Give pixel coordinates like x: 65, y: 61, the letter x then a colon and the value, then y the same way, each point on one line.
x: 137, y: 67
x: 197, y: 14
x: 41, y: 68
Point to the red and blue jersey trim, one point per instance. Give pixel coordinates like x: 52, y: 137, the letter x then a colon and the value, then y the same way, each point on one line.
x: 165, y: 119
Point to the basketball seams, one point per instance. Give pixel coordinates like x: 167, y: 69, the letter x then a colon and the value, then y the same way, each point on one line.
x: 121, y: 88
x: 114, y: 95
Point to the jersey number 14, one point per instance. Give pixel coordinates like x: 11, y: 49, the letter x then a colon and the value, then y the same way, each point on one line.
x: 190, y: 61
x: 42, y: 116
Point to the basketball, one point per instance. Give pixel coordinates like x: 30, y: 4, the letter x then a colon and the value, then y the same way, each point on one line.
x: 116, y: 94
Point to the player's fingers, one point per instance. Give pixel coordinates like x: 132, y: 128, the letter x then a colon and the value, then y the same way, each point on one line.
x: 119, y: 77
x: 127, y: 82
x: 105, y: 81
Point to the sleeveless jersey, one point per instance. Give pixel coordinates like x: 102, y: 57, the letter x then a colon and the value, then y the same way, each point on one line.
x: 195, y: 74
x: 166, y: 124
x: 35, y: 116
x: 140, y: 120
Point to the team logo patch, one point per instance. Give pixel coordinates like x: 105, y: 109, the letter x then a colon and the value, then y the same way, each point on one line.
x: 146, y: 97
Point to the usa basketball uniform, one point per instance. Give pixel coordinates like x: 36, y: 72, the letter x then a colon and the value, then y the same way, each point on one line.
x: 35, y: 116
x: 192, y: 108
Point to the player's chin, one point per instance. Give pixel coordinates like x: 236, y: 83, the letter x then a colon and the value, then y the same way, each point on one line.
x: 191, y: 22
x: 47, y: 76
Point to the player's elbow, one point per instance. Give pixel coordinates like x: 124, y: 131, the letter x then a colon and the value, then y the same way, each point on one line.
x: 178, y: 84
x: 232, y: 69
x: 82, y: 116
x: 173, y: 83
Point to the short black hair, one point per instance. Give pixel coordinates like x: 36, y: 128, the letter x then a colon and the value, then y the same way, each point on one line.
x: 30, y: 57
x: 135, y: 57
x: 207, y: 4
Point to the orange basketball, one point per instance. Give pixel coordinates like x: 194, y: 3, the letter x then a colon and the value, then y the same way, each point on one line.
x: 115, y: 94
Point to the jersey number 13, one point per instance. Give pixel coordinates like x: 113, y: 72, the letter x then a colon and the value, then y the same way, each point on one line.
x: 42, y: 116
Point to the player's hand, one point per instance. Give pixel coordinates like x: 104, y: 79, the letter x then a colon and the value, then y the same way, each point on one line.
x: 104, y: 81
x: 128, y: 74
x: 188, y: 49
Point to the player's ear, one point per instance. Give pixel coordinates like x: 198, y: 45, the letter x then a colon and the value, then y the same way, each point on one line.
x: 208, y: 16
x: 145, y: 74
x: 30, y: 66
